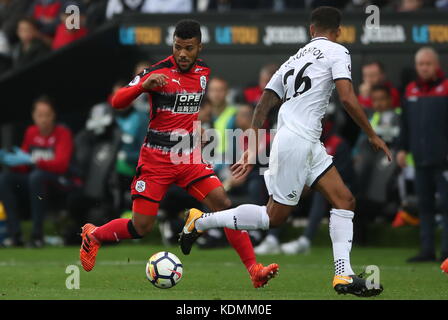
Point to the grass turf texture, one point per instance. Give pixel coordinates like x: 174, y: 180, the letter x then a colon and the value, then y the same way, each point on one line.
x: 208, y: 274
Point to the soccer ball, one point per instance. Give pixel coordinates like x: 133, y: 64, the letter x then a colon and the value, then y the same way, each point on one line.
x: 164, y: 270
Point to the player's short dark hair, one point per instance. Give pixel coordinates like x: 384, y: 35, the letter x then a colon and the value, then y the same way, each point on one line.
x: 381, y: 87
x: 188, y: 29
x: 44, y: 99
x: 326, y: 18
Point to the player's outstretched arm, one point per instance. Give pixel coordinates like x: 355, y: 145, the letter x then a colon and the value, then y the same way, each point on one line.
x: 126, y: 95
x: 348, y: 98
x: 269, y: 99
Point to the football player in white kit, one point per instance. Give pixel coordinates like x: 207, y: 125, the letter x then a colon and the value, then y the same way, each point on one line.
x: 302, y: 86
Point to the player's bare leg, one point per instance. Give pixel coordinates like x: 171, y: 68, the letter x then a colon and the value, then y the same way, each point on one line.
x: 243, y: 217
x: 217, y: 200
x: 277, y: 212
x: 113, y: 231
x: 143, y: 223
x: 345, y: 281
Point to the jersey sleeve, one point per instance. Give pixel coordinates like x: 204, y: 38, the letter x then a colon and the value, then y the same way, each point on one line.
x: 126, y: 95
x: 276, y: 84
x: 341, y: 64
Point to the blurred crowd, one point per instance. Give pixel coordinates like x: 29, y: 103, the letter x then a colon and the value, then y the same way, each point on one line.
x: 30, y: 29
x: 86, y: 176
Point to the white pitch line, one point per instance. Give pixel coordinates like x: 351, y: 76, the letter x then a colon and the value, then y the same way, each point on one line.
x: 227, y: 264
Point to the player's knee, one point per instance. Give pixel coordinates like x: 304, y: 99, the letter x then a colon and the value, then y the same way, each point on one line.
x: 353, y: 203
x: 350, y: 202
x: 347, y: 202
x: 143, y: 228
x: 223, y: 204
x: 227, y: 203
x: 276, y: 220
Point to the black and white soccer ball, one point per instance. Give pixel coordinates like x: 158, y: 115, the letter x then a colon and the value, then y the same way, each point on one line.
x: 164, y: 270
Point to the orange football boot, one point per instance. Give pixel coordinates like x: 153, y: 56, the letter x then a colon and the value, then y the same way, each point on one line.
x: 260, y: 275
x: 89, y: 247
x: 444, y: 266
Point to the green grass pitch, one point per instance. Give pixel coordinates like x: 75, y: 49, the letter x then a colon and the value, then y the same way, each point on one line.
x: 208, y: 274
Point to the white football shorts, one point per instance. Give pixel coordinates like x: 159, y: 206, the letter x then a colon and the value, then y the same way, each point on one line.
x: 294, y: 162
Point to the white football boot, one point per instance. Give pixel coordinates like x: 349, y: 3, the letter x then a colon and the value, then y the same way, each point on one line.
x: 301, y: 245
x: 269, y: 245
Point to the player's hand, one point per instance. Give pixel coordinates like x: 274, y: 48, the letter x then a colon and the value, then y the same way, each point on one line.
x: 242, y: 168
x: 236, y: 182
x: 155, y: 80
x: 401, y: 159
x: 378, y: 144
x: 364, y: 89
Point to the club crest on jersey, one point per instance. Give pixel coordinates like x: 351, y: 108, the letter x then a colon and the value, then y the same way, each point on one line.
x: 203, y: 81
x: 187, y: 102
x: 135, y: 81
x: 140, y: 186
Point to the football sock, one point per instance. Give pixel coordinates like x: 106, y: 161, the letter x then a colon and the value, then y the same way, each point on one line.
x: 341, y: 233
x: 242, y: 244
x: 244, y: 217
x: 116, y: 230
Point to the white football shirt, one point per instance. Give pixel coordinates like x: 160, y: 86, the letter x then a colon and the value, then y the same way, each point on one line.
x: 305, y: 83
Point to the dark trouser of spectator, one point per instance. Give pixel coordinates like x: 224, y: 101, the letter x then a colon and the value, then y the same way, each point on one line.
x: 34, y: 186
x: 83, y: 208
x: 78, y: 206
x: 176, y: 201
x: 172, y: 207
x: 256, y: 188
x: 124, y: 202
x: 319, y: 208
x: 428, y: 181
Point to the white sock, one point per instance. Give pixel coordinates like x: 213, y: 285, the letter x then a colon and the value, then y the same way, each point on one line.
x: 341, y: 233
x: 244, y: 217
